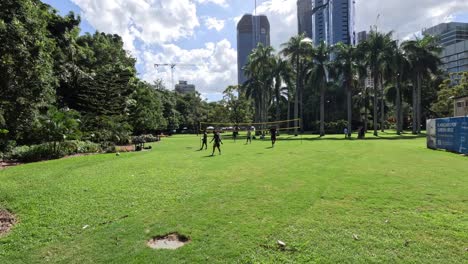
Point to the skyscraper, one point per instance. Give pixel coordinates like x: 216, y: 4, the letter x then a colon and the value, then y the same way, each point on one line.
x: 334, y: 23
x: 251, y: 30
x: 361, y: 37
x: 454, y: 40
x: 304, y: 17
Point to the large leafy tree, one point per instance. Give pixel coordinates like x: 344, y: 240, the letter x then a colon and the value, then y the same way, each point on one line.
x: 239, y: 107
x: 449, y: 90
x: 146, y: 113
x: 423, y: 57
x: 26, y: 65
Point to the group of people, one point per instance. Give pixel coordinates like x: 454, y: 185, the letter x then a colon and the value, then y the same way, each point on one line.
x: 218, y: 140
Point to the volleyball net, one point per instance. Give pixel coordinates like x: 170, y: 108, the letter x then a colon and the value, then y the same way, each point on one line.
x: 258, y: 128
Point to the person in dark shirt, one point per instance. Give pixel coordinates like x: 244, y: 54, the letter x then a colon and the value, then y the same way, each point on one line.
x: 217, y: 142
x: 204, y: 140
x: 235, y: 133
x: 273, y: 136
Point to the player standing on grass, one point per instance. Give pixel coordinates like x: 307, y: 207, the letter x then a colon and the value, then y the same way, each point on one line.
x: 249, y: 136
x: 204, y: 140
x: 235, y: 133
x: 273, y: 136
x: 217, y: 142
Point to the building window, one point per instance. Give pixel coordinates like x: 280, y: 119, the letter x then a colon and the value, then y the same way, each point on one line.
x: 459, y: 104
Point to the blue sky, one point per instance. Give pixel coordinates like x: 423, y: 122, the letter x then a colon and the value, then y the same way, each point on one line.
x: 203, y: 32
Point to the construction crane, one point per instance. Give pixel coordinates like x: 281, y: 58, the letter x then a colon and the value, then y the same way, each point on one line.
x: 173, y: 66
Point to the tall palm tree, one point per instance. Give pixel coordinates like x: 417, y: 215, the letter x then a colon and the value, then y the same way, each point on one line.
x: 363, y: 73
x: 423, y: 56
x: 259, y: 84
x: 318, y: 73
x: 297, y: 50
x: 345, y: 63
x: 375, y: 48
x: 398, y: 72
x: 282, y: 75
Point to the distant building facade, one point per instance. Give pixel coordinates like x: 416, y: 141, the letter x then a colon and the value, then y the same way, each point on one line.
x: 461, y: 106
x: 334, y: 23
x: 304, y: 17
x: 184, y: 88
x: 454, y: 40
x: 449, y: 33
x: 361, y: 37
x: 251, y: 30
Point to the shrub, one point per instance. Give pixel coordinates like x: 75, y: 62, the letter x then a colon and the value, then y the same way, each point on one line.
x: 144, y: 139
x: 77, y: 147
x: 35, y: 153
x: 48, y: 151
x: 336, y: 127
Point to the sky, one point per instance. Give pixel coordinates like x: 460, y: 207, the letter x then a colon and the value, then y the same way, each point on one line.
x: 203, y: 32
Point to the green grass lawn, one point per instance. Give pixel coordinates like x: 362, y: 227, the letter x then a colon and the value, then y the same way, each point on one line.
x: 405, y: 203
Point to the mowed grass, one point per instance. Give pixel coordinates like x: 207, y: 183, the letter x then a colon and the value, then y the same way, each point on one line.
x: 403, y: 203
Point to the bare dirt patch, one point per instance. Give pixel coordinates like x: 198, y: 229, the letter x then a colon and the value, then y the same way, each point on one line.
x: 169, y: 241
x: 7, y: 220
x: 7, y: 164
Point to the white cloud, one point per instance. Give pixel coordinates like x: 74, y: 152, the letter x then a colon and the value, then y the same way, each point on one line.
x: 216, y: 66
x: 160, y: 23
x: 406, y: 18
x: 222, y: 3
x: 214, y: 23
x: 282, y: 15
x: 151, y: 21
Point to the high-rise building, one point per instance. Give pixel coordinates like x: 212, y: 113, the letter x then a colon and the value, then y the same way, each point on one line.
x: 184, y: 88
x: 449, y: 33
x: 304, y: 17
x: 334, y: 23
x: 361, y: 37
x: 251, y: 30
x: 454, y: 40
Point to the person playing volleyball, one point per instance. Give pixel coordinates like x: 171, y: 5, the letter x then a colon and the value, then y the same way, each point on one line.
x: 204, y: 140
x: 217, y: 142
x: 273, y: 136
x: 249, y: 136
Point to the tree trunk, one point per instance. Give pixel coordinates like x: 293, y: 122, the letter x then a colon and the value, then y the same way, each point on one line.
x: 296, y: 98
x: 289, y: 107
x: 398, y: 107
x: 382, y: 106
x: 322, y: 111
x: 414, y: 115
x: 350, y: 114
x: 366, y: 107
x: 301, y: 104
x: 278, y: 113
x: 419, y: 105
x: 376, y: 97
